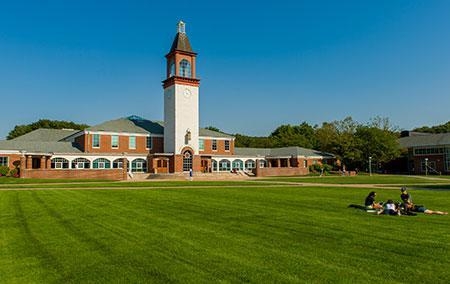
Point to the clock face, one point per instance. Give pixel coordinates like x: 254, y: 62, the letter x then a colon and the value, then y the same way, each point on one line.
x: 187, y: 93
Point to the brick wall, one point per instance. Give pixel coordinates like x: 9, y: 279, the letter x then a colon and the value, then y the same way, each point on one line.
x: 105, y: 145
x: 220, y: 147
x: 110, y: 174
x: 13, y: 160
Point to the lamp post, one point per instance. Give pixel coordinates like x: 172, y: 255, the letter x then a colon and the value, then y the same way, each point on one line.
x: 370, y: 166
x: 426, y: 166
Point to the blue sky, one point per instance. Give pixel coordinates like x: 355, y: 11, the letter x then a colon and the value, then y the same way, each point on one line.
x: 260, y: 64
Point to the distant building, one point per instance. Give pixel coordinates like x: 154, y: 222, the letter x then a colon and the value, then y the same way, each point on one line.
x: 119, y: 148
x: 427, y: 153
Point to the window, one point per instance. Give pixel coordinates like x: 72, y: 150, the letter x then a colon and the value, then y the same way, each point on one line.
x: 185, y: 68
x: 214, y: 145
x: 114, y: 141
x: 139, y: 165
x: 250, y: 164
x: 118, y: 164
x: 227, y: 145
x: 187, y: 161
x: 4, y: 161
x: 201, y: 144
x: 96, y: 140
x: 132, y: 142
x: 224, y: 165
x: 59, y: 163
x: 101, y: 163
x: 149, y: 142
x: 81, y: 163
x: 238, y: 165
x: 171, y: 69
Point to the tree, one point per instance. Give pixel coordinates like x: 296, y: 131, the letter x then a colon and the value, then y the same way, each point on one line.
x: 20, y: 130
x: 338, y: 138
x: 443, y: 128
x: 380, y: 144
x: 213, y: 128
x: 252, y: 141
x: 299, y: 135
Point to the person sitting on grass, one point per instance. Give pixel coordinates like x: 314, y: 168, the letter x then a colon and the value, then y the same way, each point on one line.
x: 370, y: 201
x: 411, y: 207
x: 422, y: 209
x: 390, y: 208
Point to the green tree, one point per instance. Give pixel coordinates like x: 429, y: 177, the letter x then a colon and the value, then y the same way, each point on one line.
x: 380, y: 144
x: 443, y: 128
x: 213, y: 128
x: 299, y: 135
x: 252, y: 141
x: 20, y: 130
x: 338, y: 138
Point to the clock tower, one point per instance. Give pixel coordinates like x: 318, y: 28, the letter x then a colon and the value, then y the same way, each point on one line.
x: 181, y: 103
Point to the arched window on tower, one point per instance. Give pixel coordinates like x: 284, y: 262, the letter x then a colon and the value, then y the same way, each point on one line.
x: 171, y: 68
x: 185, y: 68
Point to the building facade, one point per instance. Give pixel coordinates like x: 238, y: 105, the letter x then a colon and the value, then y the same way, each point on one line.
x: 427, y: 153
x: 121, y: 148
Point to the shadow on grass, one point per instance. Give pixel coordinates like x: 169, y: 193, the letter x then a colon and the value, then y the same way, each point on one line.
x: 432, y: 186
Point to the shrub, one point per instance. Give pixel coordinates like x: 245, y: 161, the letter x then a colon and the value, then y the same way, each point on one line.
x: 316, y: 168
x: 327, y: 168
x: 14, y: 173
x: 4, y: 170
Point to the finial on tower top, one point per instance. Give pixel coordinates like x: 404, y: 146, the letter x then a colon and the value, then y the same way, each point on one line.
x: 181, y: 26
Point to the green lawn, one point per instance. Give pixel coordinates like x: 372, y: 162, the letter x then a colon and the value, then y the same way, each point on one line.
x: 218, y: 233
x: 366, y: 179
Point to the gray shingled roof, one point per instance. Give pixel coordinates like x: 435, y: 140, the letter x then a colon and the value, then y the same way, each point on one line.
x: 210, y: 133
x: 45, y: 135
x: 281, y: 152
x: 181, y: 43
x: 39, y: 147
x: 441, y: 139
x: 131, y: 124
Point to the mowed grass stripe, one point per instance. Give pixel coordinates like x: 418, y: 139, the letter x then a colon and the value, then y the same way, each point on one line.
x: 230, y: 234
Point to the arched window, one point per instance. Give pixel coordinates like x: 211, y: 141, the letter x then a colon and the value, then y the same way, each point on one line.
x: 139, y: 166
x: 214, y: 165
x: 118, y: 164
x: 187, y: 161
x: 171, y: 68
x: 81, y: 163
x: 101, y: 163
x: 185, y: 68
x: 224, y: 165
x: 250, y: 164
x: 238, y: 165
x: 59, y: 163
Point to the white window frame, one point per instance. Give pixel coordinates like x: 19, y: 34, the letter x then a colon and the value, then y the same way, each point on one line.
x: 214, y: 145
x: 112, y: 141
x: 5, y: 161
x: 93, y: 140
x: 227, y: 145
x: 130, y: 144
x: 147, y: 140
x: 201, y: 144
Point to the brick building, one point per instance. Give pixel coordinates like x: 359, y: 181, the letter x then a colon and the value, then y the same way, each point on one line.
x: 118, y: 148
x: 427, y: 153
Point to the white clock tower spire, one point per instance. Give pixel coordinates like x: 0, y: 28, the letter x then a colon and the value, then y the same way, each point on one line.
x: 181, y: 103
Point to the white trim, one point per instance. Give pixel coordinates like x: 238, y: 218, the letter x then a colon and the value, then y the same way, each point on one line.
x: 7, y: 152
x: 124, y: 133
x: 216, y: 138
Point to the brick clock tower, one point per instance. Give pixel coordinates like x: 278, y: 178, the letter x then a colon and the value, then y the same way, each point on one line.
x: 181, y: 105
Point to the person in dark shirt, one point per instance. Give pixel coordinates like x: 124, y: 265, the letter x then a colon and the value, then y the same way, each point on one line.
x: 410, y: 206
x: 405, y: 196
x: 370, y: 201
